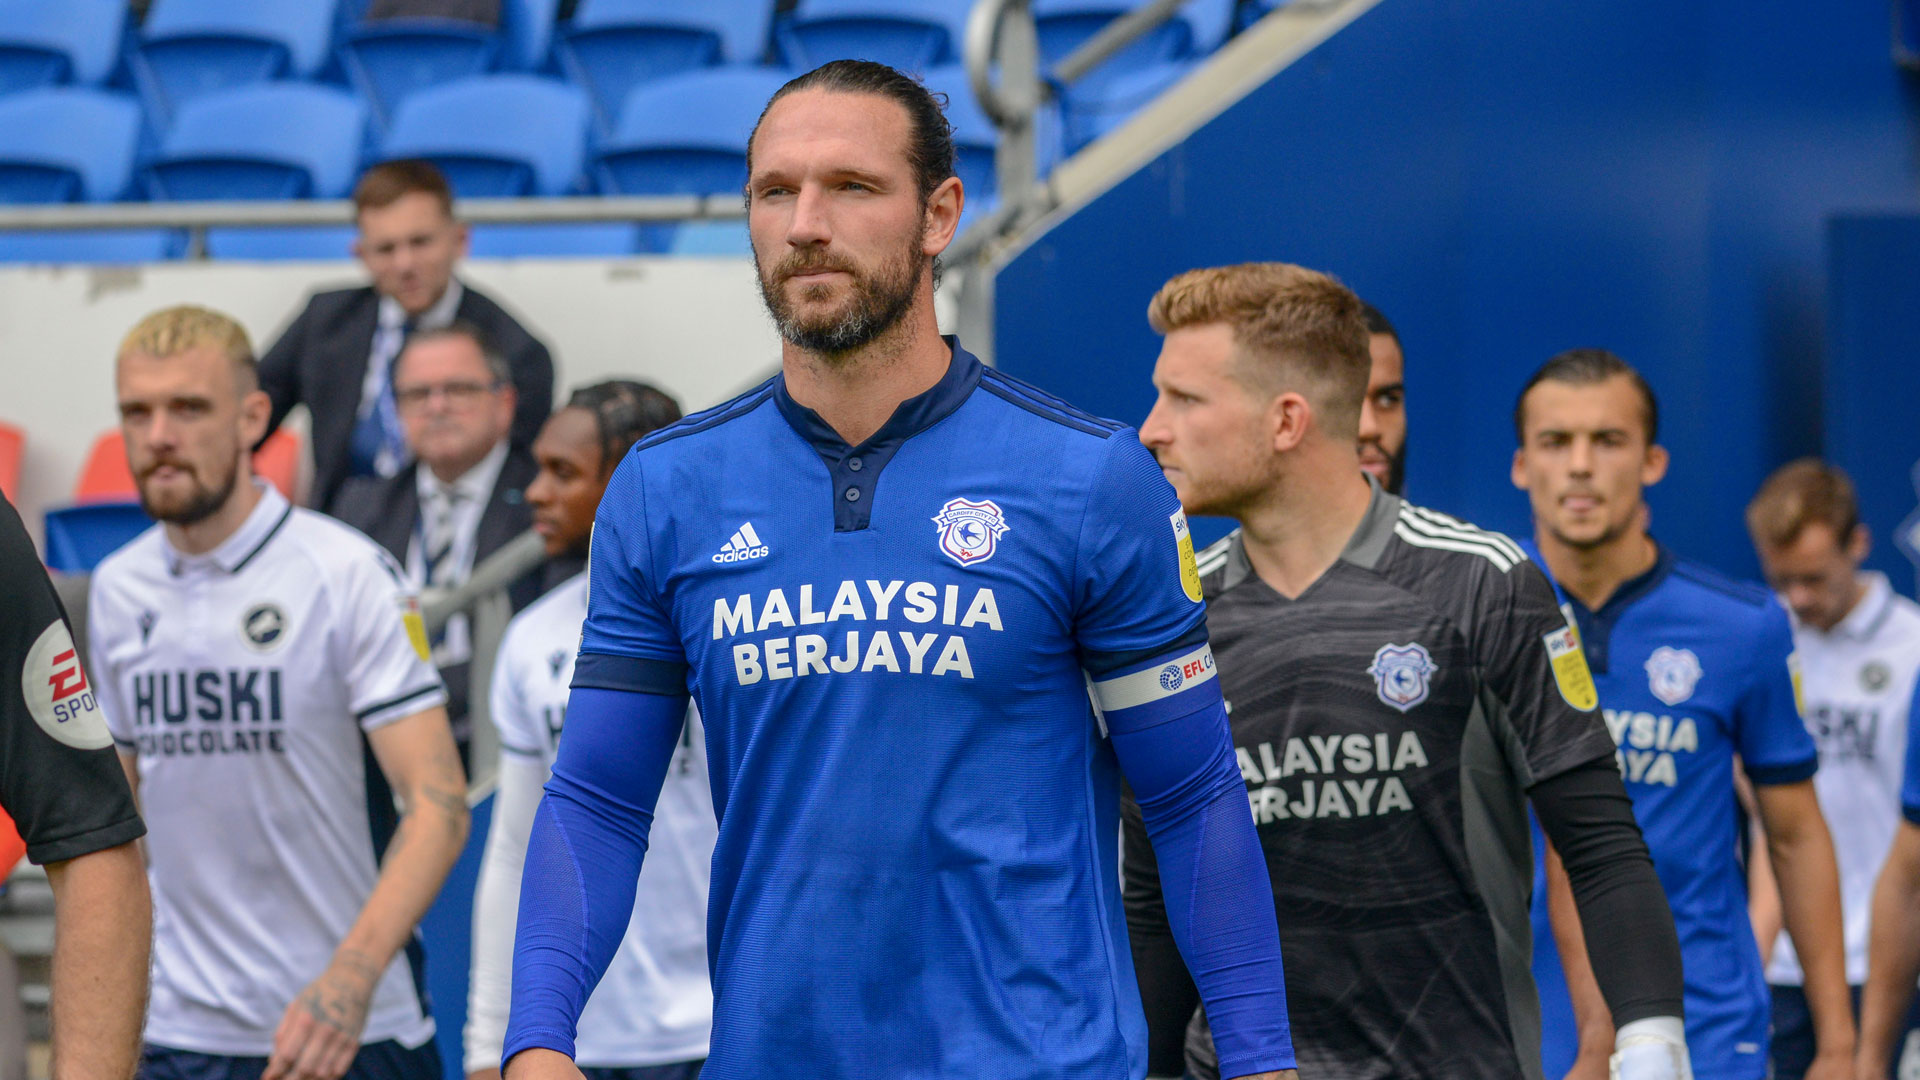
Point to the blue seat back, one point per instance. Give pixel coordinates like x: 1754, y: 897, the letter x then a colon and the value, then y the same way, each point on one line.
x: 270, y: 141
x: 73, y: 41
x: 586, y: 239
x: 496, y: 135
x: 66, y: 144
x: 189, y: 48
x: 112, y: 246
x: 613, y: 46
x: 78, y: 537
x: 1095, y: 107
x: 1206, y: 22
x: 741, y: 24
x: 687, y: 135
x: 393, y: 58
x: 912, y: 35
x: 281, y: 243
x: 528, y: 28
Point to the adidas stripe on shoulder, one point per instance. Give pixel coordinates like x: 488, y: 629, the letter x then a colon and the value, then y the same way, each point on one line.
x: 1425, y: 528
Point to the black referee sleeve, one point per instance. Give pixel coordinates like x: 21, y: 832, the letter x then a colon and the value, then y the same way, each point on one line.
x: 1167, y: 992
x: 1631, y: 942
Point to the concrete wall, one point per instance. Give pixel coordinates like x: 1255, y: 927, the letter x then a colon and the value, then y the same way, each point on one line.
x: 693, y: 326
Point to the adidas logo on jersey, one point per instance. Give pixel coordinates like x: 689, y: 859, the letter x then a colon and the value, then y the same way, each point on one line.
x: 744, y: 545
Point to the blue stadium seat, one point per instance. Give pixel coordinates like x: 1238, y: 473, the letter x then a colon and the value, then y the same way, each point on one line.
x: 1097, y: 106
x: 193, y: 47
x: 612, y: 46
x: 78, y: 537
x: 281, y: 243
x: 1104, y: 97
x: 685, y: 135
x: 66, y: 144
x: 912, y: 35
x: 392, y: 58
x: 496, y: 136
x: 110, y: 246
x: 528, y: 28
x: 270, y: 141
x: 73, y: 41
x: 567, y: 239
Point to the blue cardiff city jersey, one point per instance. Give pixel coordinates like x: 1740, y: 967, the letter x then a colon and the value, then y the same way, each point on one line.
x: 1694, y: 669
x: 891, y: 645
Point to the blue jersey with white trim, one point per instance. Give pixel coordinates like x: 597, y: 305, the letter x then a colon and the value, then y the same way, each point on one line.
x: 1694, y: 669
x: 891, y: 645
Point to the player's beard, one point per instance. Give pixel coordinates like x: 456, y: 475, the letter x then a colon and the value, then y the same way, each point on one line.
x: 875, y: 304
x: 199, y: 504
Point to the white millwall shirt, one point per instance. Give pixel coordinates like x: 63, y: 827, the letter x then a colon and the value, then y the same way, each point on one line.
x: 243, y: 680
x: 655, y: 1004
x: 1858, y: 683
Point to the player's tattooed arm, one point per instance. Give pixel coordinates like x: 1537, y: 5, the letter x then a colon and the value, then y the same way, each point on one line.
x: 320, y: 1032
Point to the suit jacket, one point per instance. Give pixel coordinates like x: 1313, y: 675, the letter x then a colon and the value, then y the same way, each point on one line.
x: 321, y: 361
x: 389, y: 510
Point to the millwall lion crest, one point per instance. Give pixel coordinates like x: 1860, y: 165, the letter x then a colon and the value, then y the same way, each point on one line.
x: 970, y: 531
x: 1672, y: 674
x: 1402, y: 674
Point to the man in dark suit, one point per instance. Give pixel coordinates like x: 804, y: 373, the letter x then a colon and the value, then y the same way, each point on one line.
x: 463, y: 498
x: 337, y: 355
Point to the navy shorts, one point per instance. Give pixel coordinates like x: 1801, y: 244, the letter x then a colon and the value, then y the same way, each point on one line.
x: 1793, y: 1033
x: 679, y: 1070
x: 376, y: 1061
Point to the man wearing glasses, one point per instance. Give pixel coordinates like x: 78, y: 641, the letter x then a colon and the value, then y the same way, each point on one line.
x: 462, y: 497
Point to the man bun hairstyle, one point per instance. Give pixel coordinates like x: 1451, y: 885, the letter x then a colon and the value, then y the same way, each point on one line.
x: 929, y: 136
x: 1586, y: 367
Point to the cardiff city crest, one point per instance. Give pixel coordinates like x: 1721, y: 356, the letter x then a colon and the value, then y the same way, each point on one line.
x: 1672, y: 674
x: 970, y: 531
x: 1401, y: 674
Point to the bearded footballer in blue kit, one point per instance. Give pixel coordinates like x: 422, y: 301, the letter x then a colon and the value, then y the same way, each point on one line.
x: 887, y: 577
x: 1694, y: 669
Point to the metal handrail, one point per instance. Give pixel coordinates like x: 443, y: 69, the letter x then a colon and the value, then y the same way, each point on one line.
x: 197, y: 217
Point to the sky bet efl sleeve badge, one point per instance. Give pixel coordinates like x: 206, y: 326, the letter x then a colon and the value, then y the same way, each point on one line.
x: 1570, y: 669
x: 416, y: 626
x: 1189, y: 568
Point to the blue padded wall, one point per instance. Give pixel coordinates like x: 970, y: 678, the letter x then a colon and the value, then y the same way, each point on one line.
x: 1506, y: 181
x: 1873, y: 377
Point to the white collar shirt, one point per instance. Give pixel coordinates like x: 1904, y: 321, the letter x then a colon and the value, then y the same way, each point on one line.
x: 242, y: 681
x: 1857, y: 687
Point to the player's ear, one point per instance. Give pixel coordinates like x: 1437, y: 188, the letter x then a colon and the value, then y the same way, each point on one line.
x: 1859, y: 543
x: 943, y: 216
x: 1519, y: 471
x: 1288, y: 417
x: 1653, y: 468
x: 255, y: 408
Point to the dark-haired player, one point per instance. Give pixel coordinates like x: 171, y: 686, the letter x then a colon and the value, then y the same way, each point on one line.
x: 1383, y: 412
x: 650, y: 1017
x: 1694, y: 670
x: 1401, y: 686
x: 887, y: 576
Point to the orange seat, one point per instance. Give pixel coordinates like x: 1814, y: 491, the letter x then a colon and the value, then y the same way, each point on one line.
x: 278, y: 461
x: 13, y: 444
x: 108, y: 479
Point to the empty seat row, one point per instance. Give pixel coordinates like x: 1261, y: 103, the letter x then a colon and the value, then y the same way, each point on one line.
x: 188, y: 48
x: 494, y: 136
